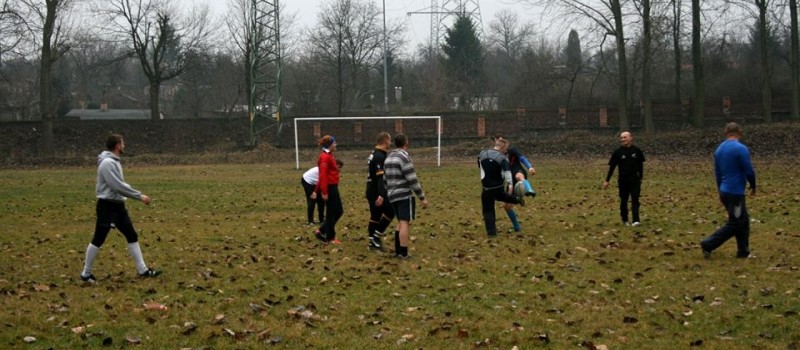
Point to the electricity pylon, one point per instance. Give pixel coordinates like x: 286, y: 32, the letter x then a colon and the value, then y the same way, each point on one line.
x: 443, y: 17
x: 264, y: 66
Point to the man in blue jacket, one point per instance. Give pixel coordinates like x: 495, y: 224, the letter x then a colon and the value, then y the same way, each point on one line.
x: 732, y: 168
x: 111, y: 191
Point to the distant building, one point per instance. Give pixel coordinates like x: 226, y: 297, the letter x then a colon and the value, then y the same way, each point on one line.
x: 109, y: 114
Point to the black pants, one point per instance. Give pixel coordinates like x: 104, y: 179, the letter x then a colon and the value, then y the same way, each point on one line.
x: 112, y: 214
x: 488, y: 197
x: 738, y: 225
x: 310, y: 203
x: 629, y: 188
x: 333, y: 212
x: 379, y: 217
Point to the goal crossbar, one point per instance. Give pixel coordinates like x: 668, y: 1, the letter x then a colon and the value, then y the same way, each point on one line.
x: 438, y: 119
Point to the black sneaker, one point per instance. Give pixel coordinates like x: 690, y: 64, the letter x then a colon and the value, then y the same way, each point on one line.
x: 530, y: 194
x: 375, y: 243
x: 521, y: 200
x: 402, y: 257
x: 706, y: 254
x: 320, y: 237
x: 379, y: 233
x: 89, y: 279
x: 150, y: 273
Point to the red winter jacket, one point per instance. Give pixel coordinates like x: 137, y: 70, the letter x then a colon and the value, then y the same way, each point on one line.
x: 328, y: 172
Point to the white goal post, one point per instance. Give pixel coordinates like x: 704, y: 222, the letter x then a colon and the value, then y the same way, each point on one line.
x: 438, y: 119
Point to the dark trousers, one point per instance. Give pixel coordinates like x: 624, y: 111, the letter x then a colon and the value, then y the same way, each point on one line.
x: 738, y: 225
x: 333, y: 212
x: 310, y: 203
x: 112, y: 214
x: 629, y: 188
x: 488, y: 197
x: 379, y: 217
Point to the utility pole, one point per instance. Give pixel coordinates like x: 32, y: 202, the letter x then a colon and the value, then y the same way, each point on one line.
x: 385, y: 65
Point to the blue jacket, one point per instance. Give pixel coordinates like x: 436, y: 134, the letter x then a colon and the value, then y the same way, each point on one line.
x: 732, y: 167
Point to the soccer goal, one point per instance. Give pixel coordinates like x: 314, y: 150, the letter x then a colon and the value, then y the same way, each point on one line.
x: 438, y: 119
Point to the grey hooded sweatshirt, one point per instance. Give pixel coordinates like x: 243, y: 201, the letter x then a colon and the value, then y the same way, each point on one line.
x: 111, y: 184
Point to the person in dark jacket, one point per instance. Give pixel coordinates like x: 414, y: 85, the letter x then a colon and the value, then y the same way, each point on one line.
x: 630, y: 161
x: 381, y: 212
x: 496, y: 183
x: 111, y: 191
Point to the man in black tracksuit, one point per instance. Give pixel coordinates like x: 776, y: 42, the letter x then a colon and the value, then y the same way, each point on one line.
x: 630, y: 161
x: 381, y: 212
x: 496, y: 182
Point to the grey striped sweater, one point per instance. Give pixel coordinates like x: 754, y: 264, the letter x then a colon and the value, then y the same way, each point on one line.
x: 400, y: 176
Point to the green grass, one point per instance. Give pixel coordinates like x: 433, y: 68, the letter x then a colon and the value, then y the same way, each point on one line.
x: 232, y: 241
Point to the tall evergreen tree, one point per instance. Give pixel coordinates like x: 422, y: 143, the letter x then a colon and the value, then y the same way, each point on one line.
x: 463, y: 60
x: 574, y: 61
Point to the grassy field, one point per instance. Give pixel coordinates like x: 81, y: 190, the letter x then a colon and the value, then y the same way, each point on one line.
x: 241, y: 269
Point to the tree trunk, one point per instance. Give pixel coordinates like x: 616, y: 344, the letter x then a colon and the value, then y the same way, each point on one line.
x: 766, y: 75
x: 697, y: 69
x: 795, y: 61
x: 649, y: 126
x: 45, y: 78
x: 622, y: 67
x: 45, y: 96
x: 676, y: 47
x: 155, y: 109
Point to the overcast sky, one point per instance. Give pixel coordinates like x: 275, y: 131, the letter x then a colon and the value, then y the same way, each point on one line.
x: 418, y: 25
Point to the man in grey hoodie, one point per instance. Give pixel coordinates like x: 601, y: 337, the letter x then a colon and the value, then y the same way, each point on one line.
x: 112, y: 191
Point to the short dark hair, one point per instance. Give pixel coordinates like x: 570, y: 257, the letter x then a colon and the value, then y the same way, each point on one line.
x: 400, y: 140
x: 733, y: 128
x: 382, y: 136
x: 112, y: 141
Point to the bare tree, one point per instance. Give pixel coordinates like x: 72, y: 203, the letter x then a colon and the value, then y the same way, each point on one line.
x: 348, y: 39
x: 647, y: 70
x: 697, y: 67
x: 48, y: 19
x: 607, y: 15
x: 795, y: 61
x: 508, y: 35
x: 677, y: 33
x: 160, y: 38
x: 13, y: 29
x: 763, y: 30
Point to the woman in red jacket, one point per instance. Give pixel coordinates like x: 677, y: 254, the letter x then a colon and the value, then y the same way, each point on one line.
x: 328, y: 185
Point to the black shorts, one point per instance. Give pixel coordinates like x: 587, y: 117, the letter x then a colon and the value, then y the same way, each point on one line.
x: 517, y: 168
x: 405, y: 209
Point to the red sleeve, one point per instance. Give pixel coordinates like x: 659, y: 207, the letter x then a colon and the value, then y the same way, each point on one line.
x: 323, y: 164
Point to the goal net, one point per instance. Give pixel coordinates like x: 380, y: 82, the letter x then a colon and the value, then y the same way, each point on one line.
x: 364, y: 131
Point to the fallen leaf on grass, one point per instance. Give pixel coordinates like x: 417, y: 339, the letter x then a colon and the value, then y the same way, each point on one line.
x: 218, y: 319
x: 133, y: 340
x: 263, y: 334
x: 41, y: 287
x: 29, y: 339
x: 188, y: 328
x: 155, y: 306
